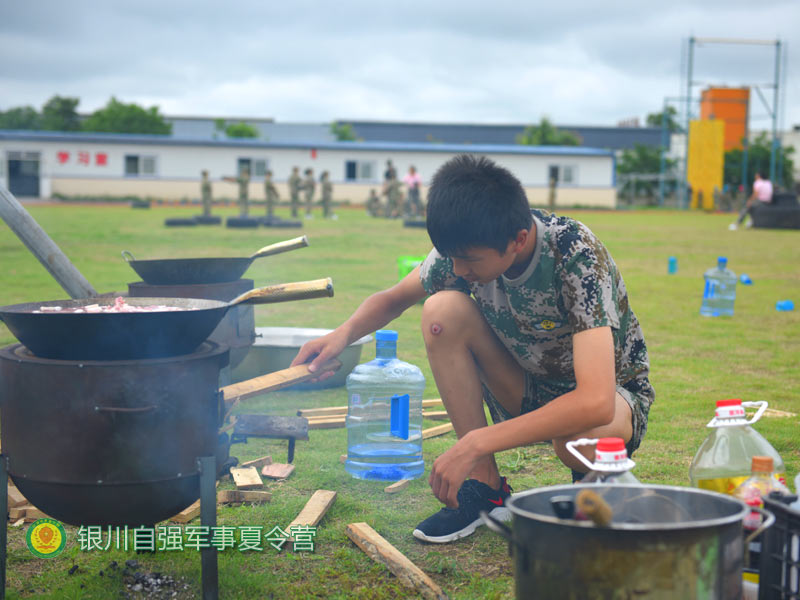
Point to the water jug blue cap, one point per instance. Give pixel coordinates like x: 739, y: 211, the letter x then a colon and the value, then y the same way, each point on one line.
x: 722, y: 260
x: 385, y: 335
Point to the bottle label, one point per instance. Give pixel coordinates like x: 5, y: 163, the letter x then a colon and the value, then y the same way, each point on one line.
x: 723, y: 485
x: 709, y: 291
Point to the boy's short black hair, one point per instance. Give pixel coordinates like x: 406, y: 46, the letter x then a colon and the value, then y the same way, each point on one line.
x: 473, y: 202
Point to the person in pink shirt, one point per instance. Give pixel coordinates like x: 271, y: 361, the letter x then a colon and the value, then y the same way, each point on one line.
x: 413, y: 203
x: 762, y: 192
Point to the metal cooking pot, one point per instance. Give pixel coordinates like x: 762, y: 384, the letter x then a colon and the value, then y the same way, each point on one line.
x: 183, y: 271
x: 663, y: 542
x: 136, y: 335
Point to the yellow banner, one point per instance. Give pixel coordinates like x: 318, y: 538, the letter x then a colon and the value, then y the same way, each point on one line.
x: 706, y: 161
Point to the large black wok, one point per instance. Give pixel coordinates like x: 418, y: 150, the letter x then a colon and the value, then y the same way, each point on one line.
x: 187, y: 271
x: 127, y: 336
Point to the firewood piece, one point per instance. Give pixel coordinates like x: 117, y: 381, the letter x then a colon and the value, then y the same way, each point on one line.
x: 246, y: 478
x: 18, y: 512
x: 240, y: 496
x: 438, y: 415
x: 15, y: 497
x: 188, y: 513
x: 32, y: 514
x: 397, y: 486
x: 277, y: 470
x: 258, y: 463
x: 334, y: 411
x: 326, y: 422
x: 315, y: 509
x: 328, y: 411
x: 379, y: 550
x: 437, y: 431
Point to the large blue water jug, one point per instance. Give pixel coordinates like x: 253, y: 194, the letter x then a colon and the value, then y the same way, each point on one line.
x: 384, y: 415
x: 719, y: 292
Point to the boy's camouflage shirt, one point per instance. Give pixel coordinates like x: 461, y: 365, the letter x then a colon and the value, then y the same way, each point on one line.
x: 571, y: 284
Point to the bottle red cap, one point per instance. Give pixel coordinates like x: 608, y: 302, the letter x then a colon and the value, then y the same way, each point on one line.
x: 731, y: 402
x: 610, y: 444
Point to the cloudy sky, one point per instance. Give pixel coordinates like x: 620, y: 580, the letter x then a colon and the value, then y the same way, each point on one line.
x: 580, y: 62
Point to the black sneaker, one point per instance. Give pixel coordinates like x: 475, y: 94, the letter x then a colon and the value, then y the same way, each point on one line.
x: 450, y: 524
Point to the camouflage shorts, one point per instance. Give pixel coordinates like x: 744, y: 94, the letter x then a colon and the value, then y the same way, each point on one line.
x: 538, y: 394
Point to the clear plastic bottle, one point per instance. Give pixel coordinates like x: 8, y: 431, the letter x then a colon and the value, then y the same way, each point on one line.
x: 724, y: 458
x: 611, y: 463
x: 384, y: 415
x: 719, y: 292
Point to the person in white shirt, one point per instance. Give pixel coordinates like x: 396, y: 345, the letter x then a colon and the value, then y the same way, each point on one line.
x: 762, y: 192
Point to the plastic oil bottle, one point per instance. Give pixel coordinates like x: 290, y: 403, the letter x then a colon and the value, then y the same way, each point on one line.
x: 611, y: 463
x: 719, y: 292
x: 724, y: 459
x: 384, y: 415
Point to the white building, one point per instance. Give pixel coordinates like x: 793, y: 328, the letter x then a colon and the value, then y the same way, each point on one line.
x: 43, y: 164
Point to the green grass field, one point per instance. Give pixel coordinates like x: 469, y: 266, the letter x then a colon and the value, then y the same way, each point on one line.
x: 694, y: 362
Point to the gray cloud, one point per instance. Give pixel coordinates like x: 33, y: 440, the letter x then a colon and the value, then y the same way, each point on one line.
x: 579, y: 62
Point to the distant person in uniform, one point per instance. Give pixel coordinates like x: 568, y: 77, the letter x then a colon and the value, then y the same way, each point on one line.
x: 390, y: 172
x: 413, y: 184
x: 244, y: 184
x: 551, y: 194
x: 309, y: 185
x: 294, y: 190
x: 327, y: 195
x: 271, y: 194
x: 762, y: 192
x: 205, y: 193
x: 373, y: 204
x: 394, y: 198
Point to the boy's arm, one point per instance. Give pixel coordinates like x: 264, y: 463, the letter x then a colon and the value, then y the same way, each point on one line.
x: 591, y: 404
x: 375, y: 312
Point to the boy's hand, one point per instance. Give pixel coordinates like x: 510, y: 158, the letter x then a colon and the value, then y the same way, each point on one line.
x: 451, y: 469
x: 321, y: 350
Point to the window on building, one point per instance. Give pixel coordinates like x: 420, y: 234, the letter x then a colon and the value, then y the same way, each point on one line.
x: 563, y: 174
x: 359, y: 170
x: 256, y: 167
x: 137, y: 165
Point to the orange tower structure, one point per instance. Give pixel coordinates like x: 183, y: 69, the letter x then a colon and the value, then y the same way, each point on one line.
x: 730, y: 105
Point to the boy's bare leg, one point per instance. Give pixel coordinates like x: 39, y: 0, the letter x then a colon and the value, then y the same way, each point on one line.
x: 463, y: 351
x: 621, y: 426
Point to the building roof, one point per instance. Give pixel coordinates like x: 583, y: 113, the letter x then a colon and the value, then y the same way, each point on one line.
x: 380, y: 146
x: 268, y: 129
x: 613, y: 138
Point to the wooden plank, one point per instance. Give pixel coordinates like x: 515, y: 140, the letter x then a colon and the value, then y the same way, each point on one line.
x: 15, y: 497
x: 315, y: 509
x: 246, y: 478
x: 18, y: 512
x: 333, y: 411
x: 271, y: 426
x: 258, y: 463
x: 18, y: 522
x: 187, y: 514
x: 774, y: 412
x: 328, y: 411
x: 379, y: 550
x: 235, y: 393
x: 437, y: 415
x: 277, y: 470
x: 397, y: 486
x: 326, y: 422
x: 240, y: 496
x: 33, y: 513
x: 437, y: 431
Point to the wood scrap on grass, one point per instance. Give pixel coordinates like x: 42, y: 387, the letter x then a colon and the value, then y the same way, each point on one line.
x: 379, y: 550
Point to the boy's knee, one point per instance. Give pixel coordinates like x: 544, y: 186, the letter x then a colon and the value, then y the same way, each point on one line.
x: 443, y: 311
